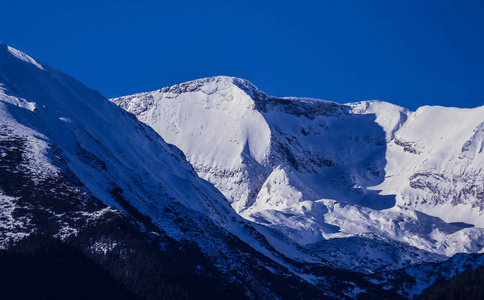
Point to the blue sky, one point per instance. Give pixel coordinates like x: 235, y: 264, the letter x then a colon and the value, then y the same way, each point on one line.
x: 411, y: 53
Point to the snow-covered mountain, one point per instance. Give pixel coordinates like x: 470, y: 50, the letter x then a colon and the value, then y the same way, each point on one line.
x: 287, y: 198
x: 369, y: 186
x: 78, y: 168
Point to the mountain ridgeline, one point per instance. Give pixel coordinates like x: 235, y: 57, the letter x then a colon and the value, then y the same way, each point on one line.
x: 213, y: 190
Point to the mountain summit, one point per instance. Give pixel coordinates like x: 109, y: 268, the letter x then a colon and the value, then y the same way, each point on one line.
x: 324, y: 173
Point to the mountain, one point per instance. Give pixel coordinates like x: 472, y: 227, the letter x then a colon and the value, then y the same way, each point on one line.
x: 369, y: 186
x: 77, y: 168
x: 253, y: 208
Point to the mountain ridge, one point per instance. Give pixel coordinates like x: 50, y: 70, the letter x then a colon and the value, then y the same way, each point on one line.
x: 376, y: 132
x: 77, y: 168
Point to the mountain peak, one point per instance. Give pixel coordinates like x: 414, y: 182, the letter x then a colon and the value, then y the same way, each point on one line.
x: 7, y: 50
x: 210, y: 85
x: 223, y: 79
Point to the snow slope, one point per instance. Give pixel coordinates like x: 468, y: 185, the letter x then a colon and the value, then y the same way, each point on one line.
x: 317, y: 170
x: 435, y: 163
x: 70, y: 158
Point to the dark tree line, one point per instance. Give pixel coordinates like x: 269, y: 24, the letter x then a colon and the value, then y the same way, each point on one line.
x: 466, y: 286
x: 40, y: 267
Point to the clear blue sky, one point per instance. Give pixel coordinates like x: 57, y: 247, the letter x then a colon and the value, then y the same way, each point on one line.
x: 411, y: 53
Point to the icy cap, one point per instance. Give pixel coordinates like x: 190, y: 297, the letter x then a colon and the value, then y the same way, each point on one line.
x: 7, y: 50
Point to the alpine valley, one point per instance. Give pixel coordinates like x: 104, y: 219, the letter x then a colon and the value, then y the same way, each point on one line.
x: 212, y: 189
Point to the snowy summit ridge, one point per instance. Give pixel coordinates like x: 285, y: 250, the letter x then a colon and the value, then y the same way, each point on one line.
x: 317, y: 170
